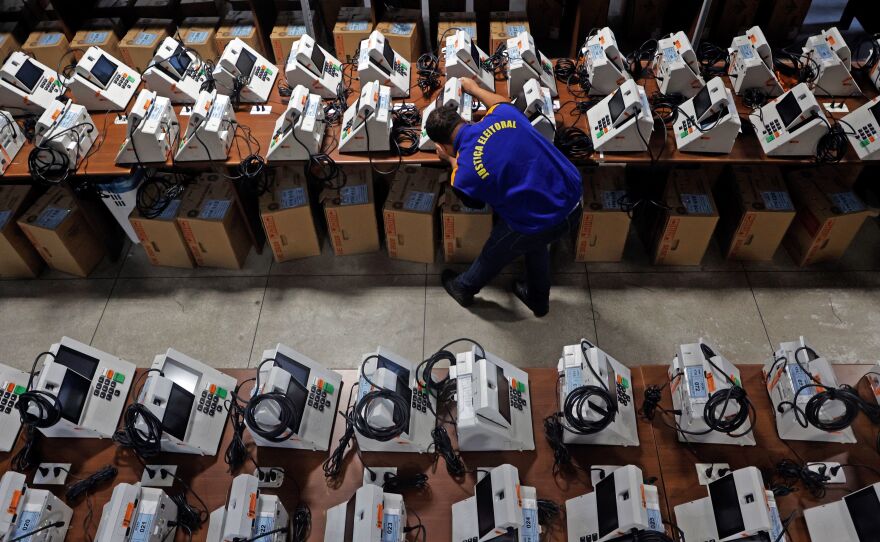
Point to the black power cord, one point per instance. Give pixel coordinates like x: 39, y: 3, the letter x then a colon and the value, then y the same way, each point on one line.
x: 497, y: 62
x: 47, y: 413
x: 145, y: 442
x: 85, y: 486
x: 406, y: 129
x: 429, y: 74
x: 646, y: 51
x: 287, y: 413
x: 714, y: 60
x: 156, y: 192
x: 574, y: 143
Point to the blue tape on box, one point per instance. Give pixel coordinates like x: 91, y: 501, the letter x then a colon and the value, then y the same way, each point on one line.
x: 214, y: 209
x: 197, y: 36
x: 296, y: 29
x: 52, y: 217
x: 514, y: 30
x: 241, y: 31
x: 611, y: 198
x: 293, y: 197
x: 422, y: 202
x: 847, y: 202
x: 4, y: 218
x: 356, y: 26
x: 777, y: 201
x: 697, y: 204
x: 353, y: 195
x: 144, y: 38
x: 401, y: 29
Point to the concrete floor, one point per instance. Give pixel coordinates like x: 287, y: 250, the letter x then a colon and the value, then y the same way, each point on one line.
x: 336, y: 309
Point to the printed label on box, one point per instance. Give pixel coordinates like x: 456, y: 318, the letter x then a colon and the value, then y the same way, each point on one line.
x: 777, y: 201
x: 847, y: 202
x: 514, y: 30
x: 241, y: 31
x: 293, y: 197
x: 356, y: 26
x: 353, y: 195
x: 401, y: 29
x: 93, y: 38
x: 170, y: 212
x: 4, y: 218
x: 197, y: 36
x: 47, y: 40
x: 697, y: 204
x: 144, y: 38
x: 296, y: 29
x: 52, y: 217
x: 419, y: 201
x: 611, y: 198
x: 214, y: 209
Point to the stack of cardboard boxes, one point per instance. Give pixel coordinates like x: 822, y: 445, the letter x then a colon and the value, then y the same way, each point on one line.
x: 604, y: 226
x: 449, y: 22
x: 286, y: 213
x: 98, y: 33
x: 686, y: 226
x: 49, y: 45
x: 213, y: 224
x: 162, y: 237
x: 350, y: 212
x: 409, y: 214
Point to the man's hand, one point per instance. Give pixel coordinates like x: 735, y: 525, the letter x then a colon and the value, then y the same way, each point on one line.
x: 468, y: 85
x: 445, y: 156
x: 487, y: 98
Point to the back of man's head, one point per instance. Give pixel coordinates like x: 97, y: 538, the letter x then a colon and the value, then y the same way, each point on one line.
x: 441, y: 124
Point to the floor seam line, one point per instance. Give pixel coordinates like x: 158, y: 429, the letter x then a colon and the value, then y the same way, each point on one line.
x: 103, y: 311
x: 259, y: 316
x: 758, y: 307
x: 592, y: 306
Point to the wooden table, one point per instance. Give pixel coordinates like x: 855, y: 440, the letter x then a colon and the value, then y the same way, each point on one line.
x: 677, y: 463
x: 209, y: 478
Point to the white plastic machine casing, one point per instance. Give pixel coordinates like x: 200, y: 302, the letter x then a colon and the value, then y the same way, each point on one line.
x: 24, y: 510
x: 737, y: 508
x: 751, y: 64
x: 120, y: 197
x: 189, y: 398
x: 390, y: 371
x: 137, y: 514
x: 452, y: 94
x: 833, y: 59
x: 790, y: 125
x: 784, y: 377
x: 314, y: 390
x: 240, y: 60
x: 379, y: 62
x: 851, y: 519
x: 465, y: 60
x: 676, y: 66
x: 622, y: 121
x: 248, y: 513
x: 91, y: 385
x: 366, y: 124
x: 175, y: 73
x: 690, y: 392
x: 708, y: 122
x: 14, y: 383
x: 574, y: 372
x: 620, y: 503
x: 605, y: 63
x: 210, y: 129
x: 861, y: 127
x: 67, y: 128
x: 299, y: 132
x: 152, y: 130
x: 500, y: 506
x: 27, y: 84
x: 371, y: 515
x: 11, y: 140
x: 310, y: 65
x: 537, y: 105
x: 524, y: 62
x: 101, y: 82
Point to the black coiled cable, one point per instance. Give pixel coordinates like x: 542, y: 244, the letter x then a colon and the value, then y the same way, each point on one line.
x: 405, y: 129
x: 634, y: 60
x: 792, y: 473
x: 443, y: 447
x: 497, y: 62
x: 156, y: 193
x: 429, y: 74
x: 302, y: 523
x: 85, y: 486
x: 147, y: 442
x: 48, y: 413
x: 832, y: 146
x: 287, y: 413
x: 714, y: 60
x: 574, y: 143
x: 715, y: 410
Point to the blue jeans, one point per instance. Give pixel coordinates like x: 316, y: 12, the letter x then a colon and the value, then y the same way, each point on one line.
x: 505, y: 245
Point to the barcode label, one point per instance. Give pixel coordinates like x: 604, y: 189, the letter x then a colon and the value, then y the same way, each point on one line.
x: 697, y: 204
x: 422, y: 202
x: 293, y: 197
x: 611, y: 198
x: 353, y: 195
x: 214, y: 209
x: 574, y: 379
x: 356, y: 26
x: 4, y: 218
x: 391, y: 527
x: 241, y: 31
x: 847, y: 202
x: 401, y: 29
x: 696, y: 380
x: 777, y: 201
x: 140, y: 531
x: 170, y: 212
x: 52, y: 217
x: 144, y: 38
x: 197, y: 36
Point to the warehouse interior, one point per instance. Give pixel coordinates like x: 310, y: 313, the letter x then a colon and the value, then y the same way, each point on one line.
x: 247, y: 329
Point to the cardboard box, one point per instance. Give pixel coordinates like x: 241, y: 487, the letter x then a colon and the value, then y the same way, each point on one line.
x: 18, y: 257
x: 465, y: 230
x: 198, y: 33
x: 351, y: 213
x: 402, y: 29
x: 212, y: 223
x: 48, y: 47
x: 604, y: 226
x: 756, y: 211
x: 162, y: 237
x: 829, y: 215
x: 353, y: 25
x: 287, y: 216
x: 408, y: 214
x: 450, y: 21
x: 289, y: 27
x: 98, y: 35
x: 8, y: 44
x: 139, y: 44
x: 687, y: 227
x: 57, y: 227
x: 241, y: 25
x: 504, y: 25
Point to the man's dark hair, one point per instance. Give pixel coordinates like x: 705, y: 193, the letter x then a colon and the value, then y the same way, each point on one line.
x: 441, y: 124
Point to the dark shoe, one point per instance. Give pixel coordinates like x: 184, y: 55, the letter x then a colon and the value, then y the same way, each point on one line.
x: 454, y: 290
x: 521, y: 291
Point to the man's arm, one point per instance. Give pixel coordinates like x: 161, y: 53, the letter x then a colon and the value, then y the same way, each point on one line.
x: 486, y: 98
